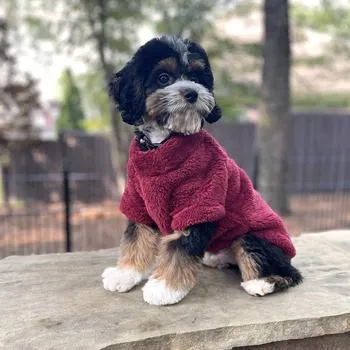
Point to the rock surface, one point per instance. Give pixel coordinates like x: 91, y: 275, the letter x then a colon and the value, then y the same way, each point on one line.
x: 57, y: 301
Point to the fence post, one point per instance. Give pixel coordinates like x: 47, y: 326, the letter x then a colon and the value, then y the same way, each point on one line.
x: 66, y: 194
x: 67, y: 210
x: 6, y: 185
x: 256, y: 165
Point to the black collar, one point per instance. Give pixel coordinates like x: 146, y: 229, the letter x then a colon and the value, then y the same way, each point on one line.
x: 146, y: 144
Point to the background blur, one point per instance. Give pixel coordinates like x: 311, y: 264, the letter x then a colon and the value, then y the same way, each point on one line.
x: 282, y: 77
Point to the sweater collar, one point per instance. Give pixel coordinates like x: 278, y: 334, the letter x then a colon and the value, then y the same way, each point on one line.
x: 167, y: 156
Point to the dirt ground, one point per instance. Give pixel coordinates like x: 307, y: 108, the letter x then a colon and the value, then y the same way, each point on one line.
x: 40, y: 228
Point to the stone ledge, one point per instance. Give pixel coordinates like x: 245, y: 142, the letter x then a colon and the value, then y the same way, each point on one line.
x: 57, y: 301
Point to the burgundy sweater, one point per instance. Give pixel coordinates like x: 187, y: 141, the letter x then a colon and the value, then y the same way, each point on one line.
x: 190, y: 180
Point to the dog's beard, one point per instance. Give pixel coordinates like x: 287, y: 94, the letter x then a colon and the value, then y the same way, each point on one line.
x: 169, y: 108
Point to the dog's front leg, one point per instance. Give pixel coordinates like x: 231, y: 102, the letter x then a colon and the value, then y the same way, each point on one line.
x: 137, y: 254
x: 176, y: 265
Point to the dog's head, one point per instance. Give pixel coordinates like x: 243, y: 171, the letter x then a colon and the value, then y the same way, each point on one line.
x: 168, y: 81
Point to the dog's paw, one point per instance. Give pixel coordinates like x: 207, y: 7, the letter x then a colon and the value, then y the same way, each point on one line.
x: 258, y: 287
x: 121, y: 280
x: 155, y: 292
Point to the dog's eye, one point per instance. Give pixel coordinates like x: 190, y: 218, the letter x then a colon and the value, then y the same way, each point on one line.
x: 163, y: 78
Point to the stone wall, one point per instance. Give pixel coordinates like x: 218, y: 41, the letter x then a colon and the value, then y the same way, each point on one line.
x: 57, y: 301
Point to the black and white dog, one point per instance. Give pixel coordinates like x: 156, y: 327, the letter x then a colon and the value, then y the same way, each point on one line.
x: 166, y: 90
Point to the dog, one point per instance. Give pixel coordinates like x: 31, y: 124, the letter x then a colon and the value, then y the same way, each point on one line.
x: 186, y: 200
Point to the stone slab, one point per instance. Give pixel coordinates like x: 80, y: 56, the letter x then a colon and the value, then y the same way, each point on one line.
x: 56, y: 301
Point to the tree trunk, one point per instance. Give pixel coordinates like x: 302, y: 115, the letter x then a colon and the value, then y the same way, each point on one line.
x: 121, y: 133
x: 276, y: 124
x: 120, y: 145
x: 120, y: 141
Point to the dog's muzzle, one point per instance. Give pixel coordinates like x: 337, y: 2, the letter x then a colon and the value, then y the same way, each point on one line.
x: 181, y: 107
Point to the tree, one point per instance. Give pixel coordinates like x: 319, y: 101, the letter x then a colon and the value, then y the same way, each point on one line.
x: 276, y: 125
x: 18, y: 98
x: 106, y: 31
x: 71, y: 116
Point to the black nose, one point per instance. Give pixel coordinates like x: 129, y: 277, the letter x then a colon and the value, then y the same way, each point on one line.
x: 190, y: 95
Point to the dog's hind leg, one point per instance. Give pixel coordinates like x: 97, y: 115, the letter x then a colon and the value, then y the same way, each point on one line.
x: 265, y: 268
x: 137, y: 254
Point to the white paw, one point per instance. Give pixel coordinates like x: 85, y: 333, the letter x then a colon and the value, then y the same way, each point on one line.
x: 258, y: 287
x: 121, y: 280
x: 155, y: 292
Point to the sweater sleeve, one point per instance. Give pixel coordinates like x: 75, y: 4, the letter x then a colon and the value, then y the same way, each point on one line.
x: 205, y: 201
x: 132, y: 205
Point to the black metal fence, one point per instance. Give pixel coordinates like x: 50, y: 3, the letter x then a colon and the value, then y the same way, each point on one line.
x: 62, y: 196
x: 67, y: 224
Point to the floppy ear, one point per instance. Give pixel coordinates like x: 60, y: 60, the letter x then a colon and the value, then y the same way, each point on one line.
x: 214, y: 115
x: 127, y: 90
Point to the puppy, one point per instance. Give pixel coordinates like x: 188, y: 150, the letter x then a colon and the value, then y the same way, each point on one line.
x: 185, y: 199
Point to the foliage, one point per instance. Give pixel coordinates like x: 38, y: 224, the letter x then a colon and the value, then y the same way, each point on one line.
x: 99, y: 33
x: 71, y: 115
x: 245, y: 7
x: 95, y: 102
x: 184, y: 18
x: 86, y: 24
x: 331, y: 17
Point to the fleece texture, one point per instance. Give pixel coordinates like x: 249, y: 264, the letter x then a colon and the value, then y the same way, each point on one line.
x: 190, y: 180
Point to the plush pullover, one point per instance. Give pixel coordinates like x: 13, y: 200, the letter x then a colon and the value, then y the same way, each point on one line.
x: 190, y: 180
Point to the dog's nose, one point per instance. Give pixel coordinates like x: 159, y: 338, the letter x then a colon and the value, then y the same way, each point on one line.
x: 190, y: 95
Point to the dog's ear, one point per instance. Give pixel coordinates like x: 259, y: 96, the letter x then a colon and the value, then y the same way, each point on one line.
x: 214, y: 115
x: 126, y: 88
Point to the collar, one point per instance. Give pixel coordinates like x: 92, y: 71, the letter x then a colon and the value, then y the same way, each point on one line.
x: 146, y: 144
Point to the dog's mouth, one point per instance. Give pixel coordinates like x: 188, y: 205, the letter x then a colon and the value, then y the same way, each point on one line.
x: 180, y: 107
